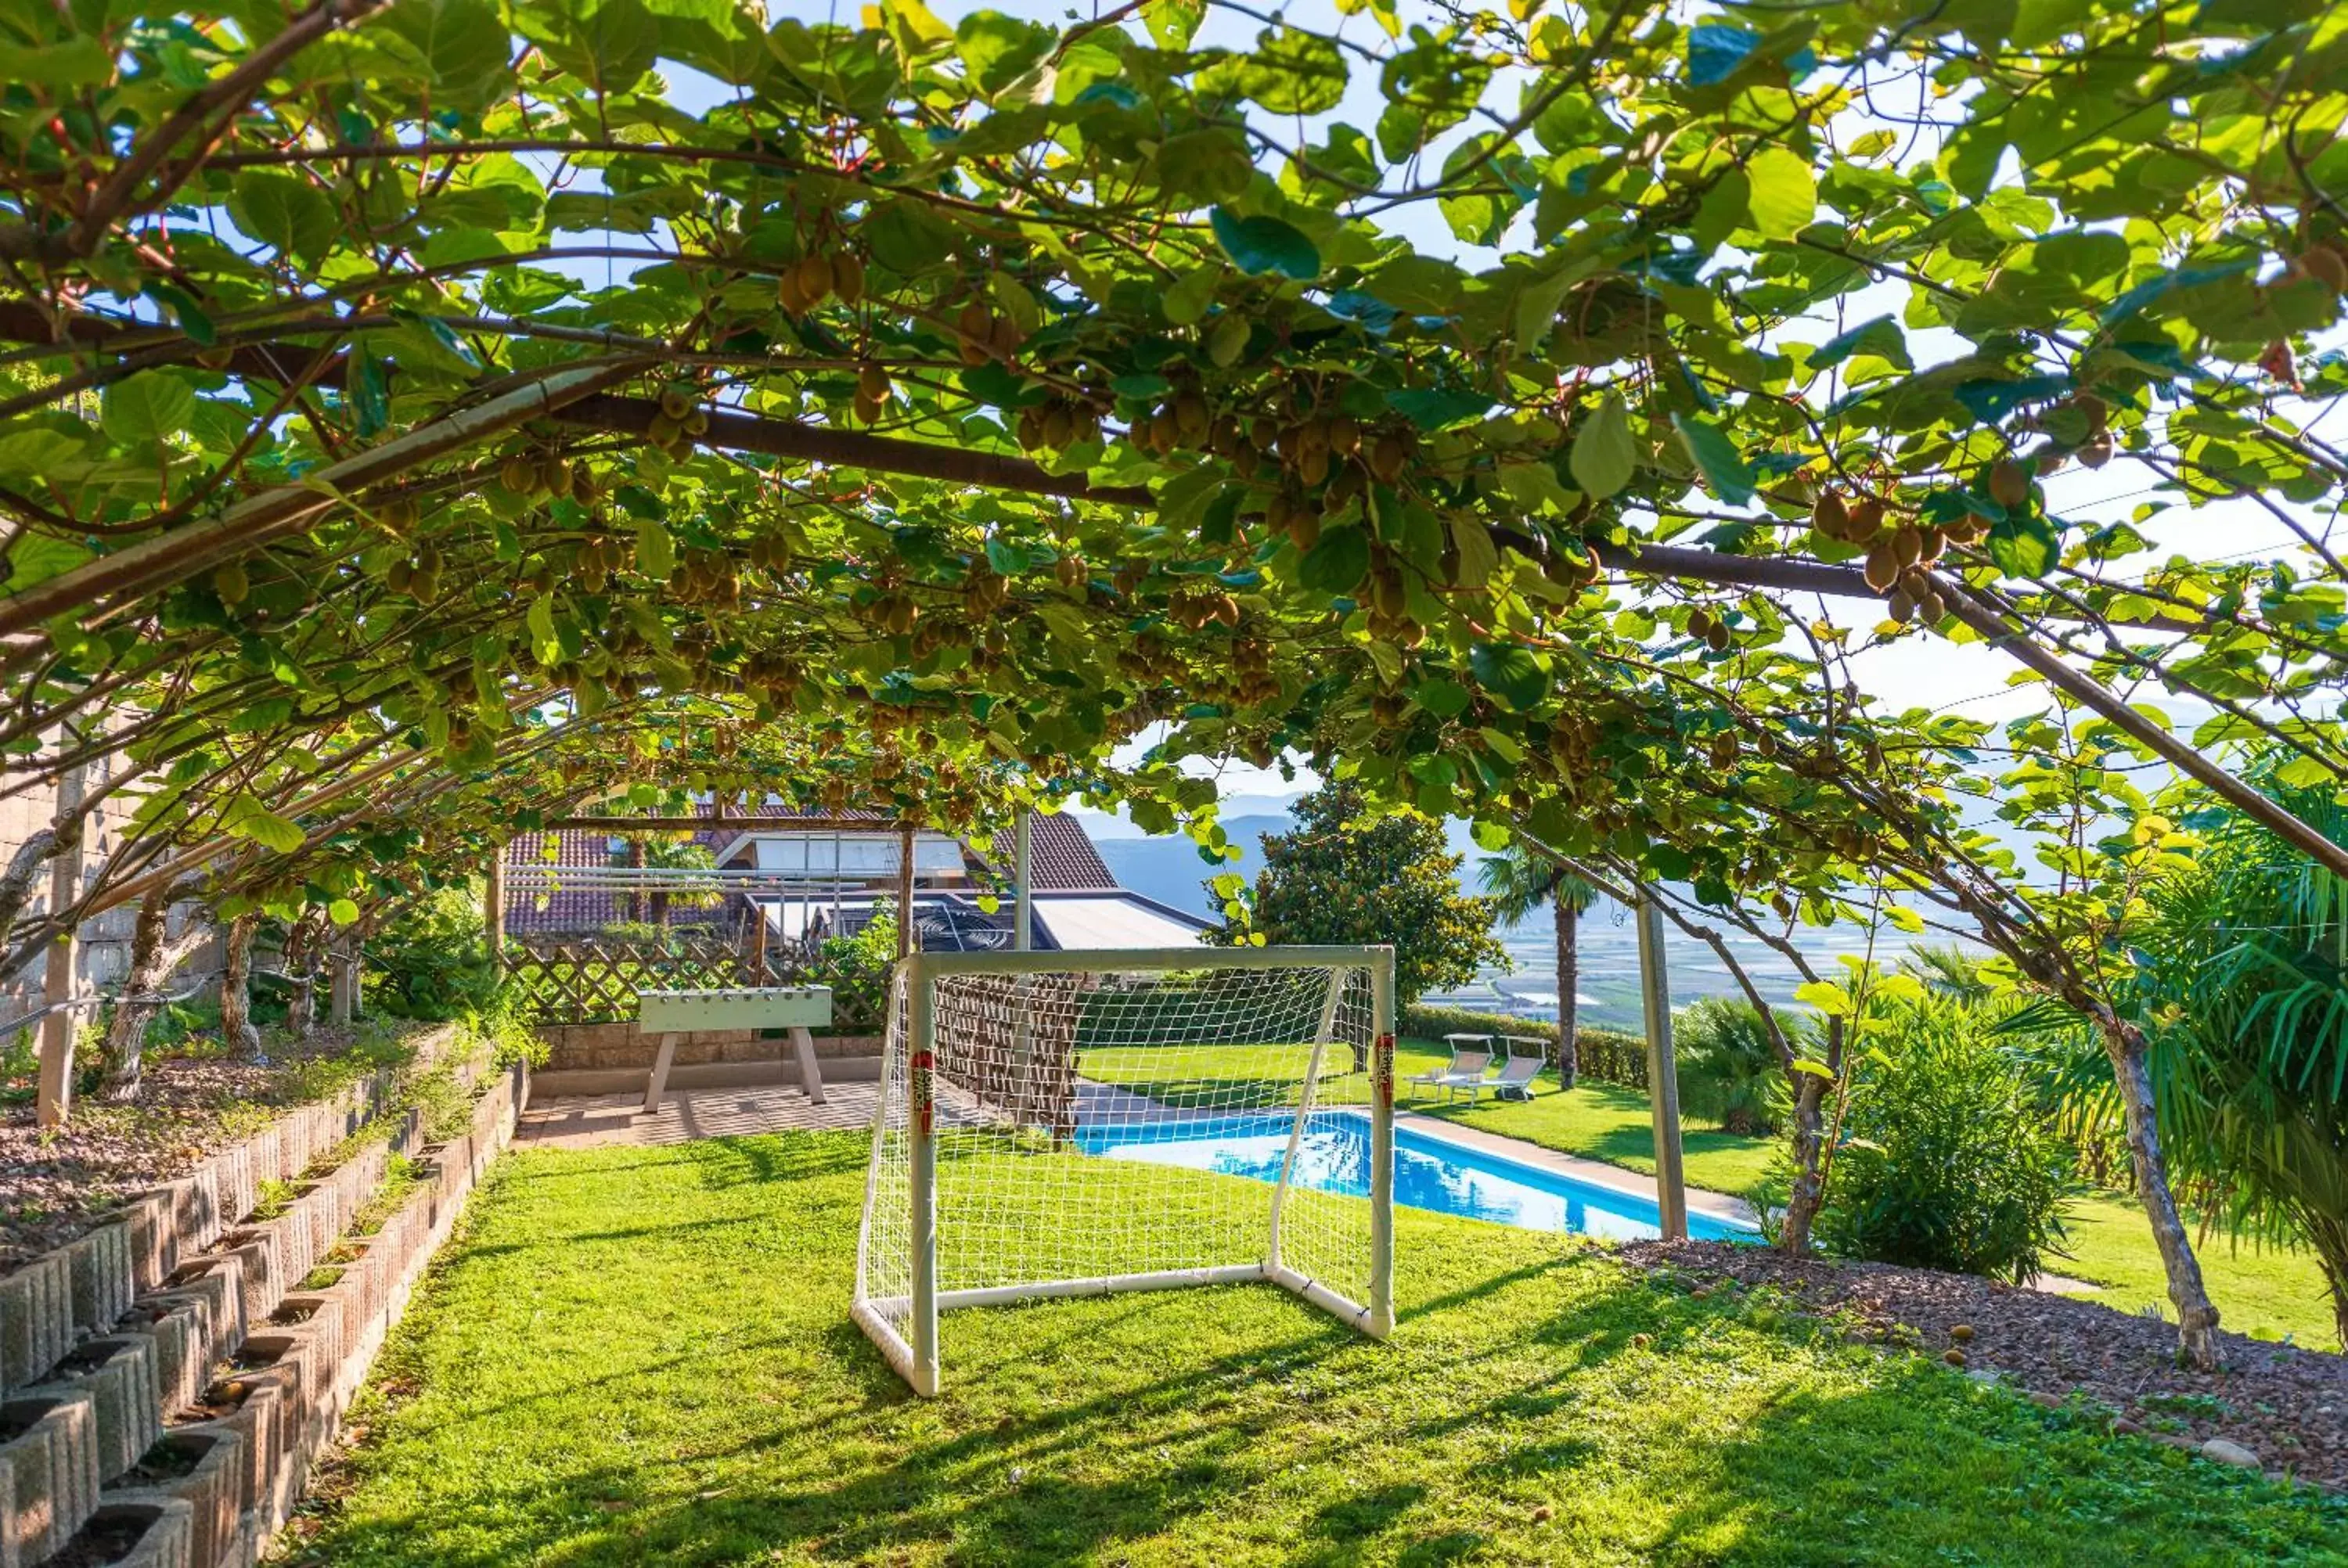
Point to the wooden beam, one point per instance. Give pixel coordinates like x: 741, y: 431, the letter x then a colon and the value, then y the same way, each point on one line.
x: 613, y: 823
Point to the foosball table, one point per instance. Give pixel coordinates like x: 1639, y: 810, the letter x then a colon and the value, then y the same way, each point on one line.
x: 671, y: 1014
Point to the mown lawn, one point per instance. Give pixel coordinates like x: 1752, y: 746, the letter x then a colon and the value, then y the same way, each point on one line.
x: 644, y: 1355
x: 2267, y: 1291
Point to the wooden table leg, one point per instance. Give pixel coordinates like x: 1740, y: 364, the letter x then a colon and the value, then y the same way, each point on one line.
x: 652, y: 1089
x: 810, y: 1076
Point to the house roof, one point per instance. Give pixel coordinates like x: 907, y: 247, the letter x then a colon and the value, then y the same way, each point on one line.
x: 1061, y: 859
x: 1061, y: 856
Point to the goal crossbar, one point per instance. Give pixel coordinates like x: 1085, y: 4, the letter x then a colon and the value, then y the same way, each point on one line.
x: 1000, y: 1073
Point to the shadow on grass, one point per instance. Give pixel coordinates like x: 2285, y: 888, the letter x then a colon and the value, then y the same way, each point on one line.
x: 1555, y: 1410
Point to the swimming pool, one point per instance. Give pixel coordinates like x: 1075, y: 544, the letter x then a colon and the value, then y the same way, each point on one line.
x: 1430, y: 1173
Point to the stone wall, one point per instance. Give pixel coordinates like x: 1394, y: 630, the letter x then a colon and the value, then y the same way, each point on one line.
x: 170, y: 1377
x: 103, y: 957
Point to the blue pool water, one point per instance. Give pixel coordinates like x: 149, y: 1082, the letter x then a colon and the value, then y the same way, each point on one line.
x: 1430, y: 1173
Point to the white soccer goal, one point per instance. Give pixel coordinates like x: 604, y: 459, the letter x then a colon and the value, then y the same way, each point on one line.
x: 1067, y: 1123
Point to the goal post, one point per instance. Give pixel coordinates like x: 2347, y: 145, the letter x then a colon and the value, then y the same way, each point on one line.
x: 1073, y: 1123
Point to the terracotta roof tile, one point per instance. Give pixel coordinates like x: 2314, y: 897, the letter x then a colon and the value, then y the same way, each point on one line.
x: 1061, y: 858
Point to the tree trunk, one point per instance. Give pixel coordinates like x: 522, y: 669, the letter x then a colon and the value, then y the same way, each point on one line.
x: 126, y: 1042
x: 1569, y: 976
x: 2329, y: 1237
x: 638, y: 905
x: 2196, y: 1319
x: 301, y: 979
x: 1809, y: 1189
x: 236, y: 988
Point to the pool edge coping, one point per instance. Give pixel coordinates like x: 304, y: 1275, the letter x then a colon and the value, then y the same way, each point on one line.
x: 1720, y: 1206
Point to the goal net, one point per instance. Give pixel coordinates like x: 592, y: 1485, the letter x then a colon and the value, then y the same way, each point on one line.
x: 1065, y: 1123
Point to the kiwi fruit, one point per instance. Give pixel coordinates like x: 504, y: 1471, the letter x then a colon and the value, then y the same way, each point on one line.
x: 814, y: 277
x: 872, y: 381
x: 2326, y: 266
x: 1386, y: 457
x: 848, y: 278
x: 2009, y: 484
x: 1882, y: 566
x: 231, y: 583
x: 1830, y: 517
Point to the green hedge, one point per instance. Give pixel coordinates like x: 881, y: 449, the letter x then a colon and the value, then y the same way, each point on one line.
x: 1607, y: 1055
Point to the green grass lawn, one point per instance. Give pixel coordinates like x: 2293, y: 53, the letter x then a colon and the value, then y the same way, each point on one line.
x: 2268, y: 1291
x: 638, y: 1356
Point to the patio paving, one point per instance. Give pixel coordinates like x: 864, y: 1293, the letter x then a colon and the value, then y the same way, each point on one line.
x: 597, y: 1120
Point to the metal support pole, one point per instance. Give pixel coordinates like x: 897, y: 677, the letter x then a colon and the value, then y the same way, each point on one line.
x: 1662, y: 1070
x: 922, y: 1150
x: 54, y: 1096
x: 1382, y: 1143
x: 904, y: 891
x: 493, y: 912
x: 1023, y: 888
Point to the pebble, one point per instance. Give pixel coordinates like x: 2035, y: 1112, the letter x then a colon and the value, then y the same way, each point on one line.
x: 2226, y: 1452
x: 2045, y: 1401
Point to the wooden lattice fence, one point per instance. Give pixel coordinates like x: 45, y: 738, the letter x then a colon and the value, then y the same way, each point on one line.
x: 594, y: 979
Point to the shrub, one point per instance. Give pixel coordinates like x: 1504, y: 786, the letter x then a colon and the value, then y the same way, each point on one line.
x: 1728, y: 1071
x: 1946, y: 1159
x: 857, y: 968
x: 432, y: 962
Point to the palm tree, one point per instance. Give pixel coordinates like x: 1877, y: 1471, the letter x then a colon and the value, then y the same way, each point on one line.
x: 1519, y: 881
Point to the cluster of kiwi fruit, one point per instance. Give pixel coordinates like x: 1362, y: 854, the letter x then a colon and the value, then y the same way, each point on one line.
x: 1310, y: 448
x: 985, y: 590
x: 772, y: 676
x: 1056, y: 424
x: 416, y: 576
x: 1193, y: 609
x: 1388, y: 601
x: 984, y: 335
x: 600, y: 558
x: 1713, y: 629
x: 547, y: 476
x: 1151, y: 658
x: 680, y: 421
x: 770, y: 553
x: 894, y: 612
x: 1250, y: 678
x: 1900, y: 553
x: 706, y: 576
x: 874, y: 390
x: 1071, y: 572
x: 818, y: 276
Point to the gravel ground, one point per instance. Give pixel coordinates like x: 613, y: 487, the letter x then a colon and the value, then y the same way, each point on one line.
x: 53, y: 1186
x: 2286, y: 1405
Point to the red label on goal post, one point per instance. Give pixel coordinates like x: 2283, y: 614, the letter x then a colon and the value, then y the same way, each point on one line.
x: 1382, y: 1056
x: 921, y: 1063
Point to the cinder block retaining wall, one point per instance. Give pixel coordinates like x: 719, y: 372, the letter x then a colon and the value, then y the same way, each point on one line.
x: 163, y: 1387
x: 616, y: 1058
